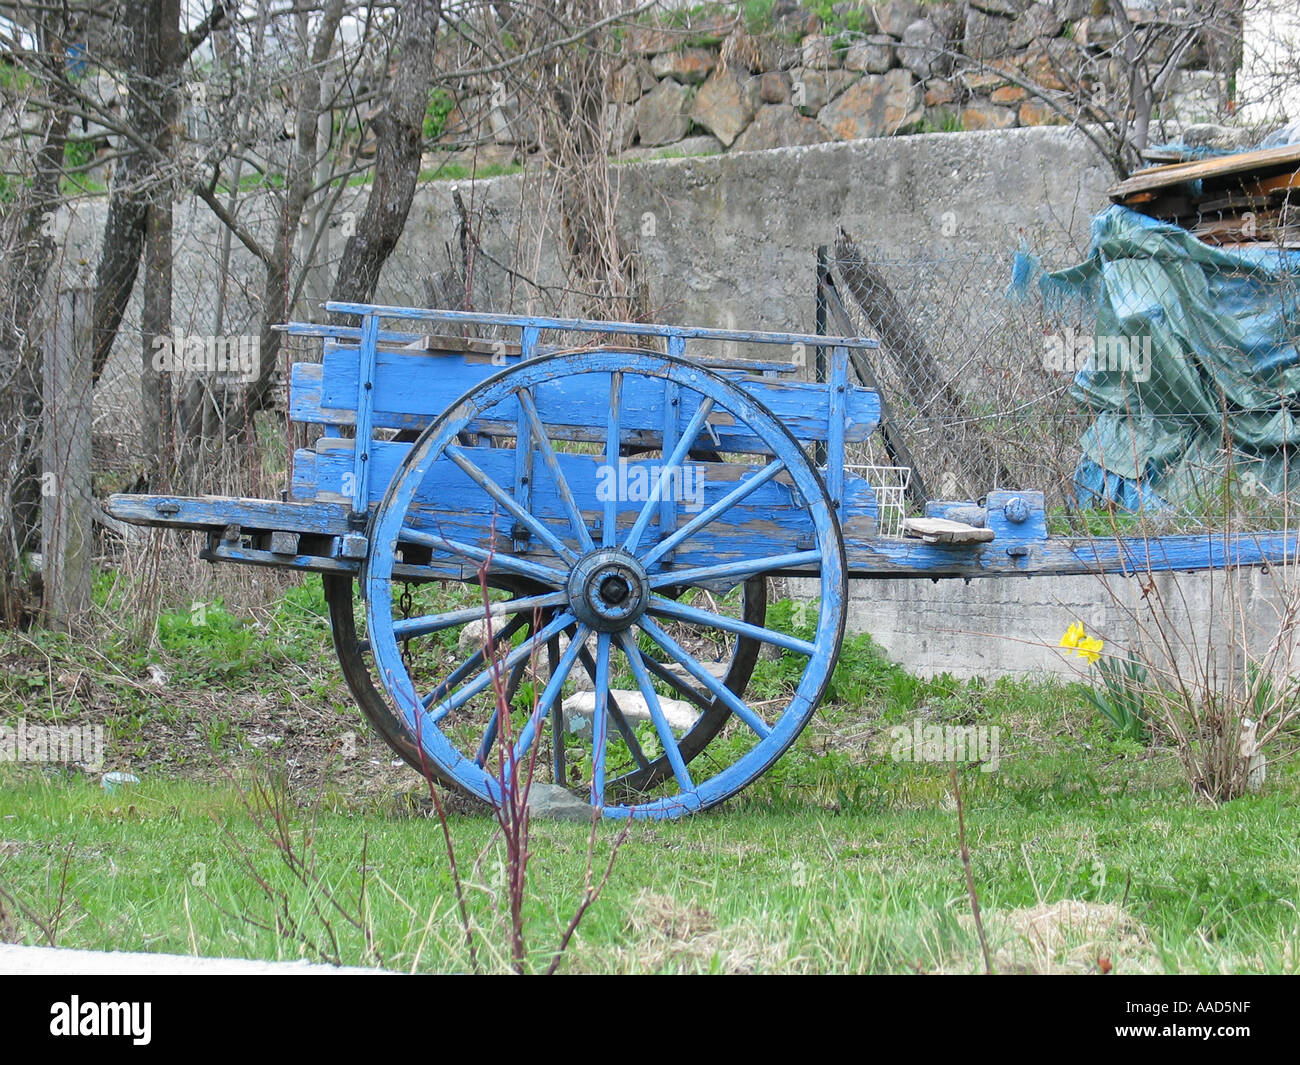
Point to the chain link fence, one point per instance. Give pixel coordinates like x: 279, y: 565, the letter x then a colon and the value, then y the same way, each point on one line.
x: 1081, y: 388
x: 968, y: 404
x: 1155, y: 381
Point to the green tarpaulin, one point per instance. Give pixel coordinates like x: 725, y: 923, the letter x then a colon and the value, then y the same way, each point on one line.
x: 1186, y: 356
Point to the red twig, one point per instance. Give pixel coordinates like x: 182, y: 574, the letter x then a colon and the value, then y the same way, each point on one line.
x: 970, y: 879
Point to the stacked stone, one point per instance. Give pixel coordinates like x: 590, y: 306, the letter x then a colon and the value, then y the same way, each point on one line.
x: 908, y: 67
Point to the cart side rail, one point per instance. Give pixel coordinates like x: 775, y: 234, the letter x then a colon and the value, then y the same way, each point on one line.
x: 411, y: 388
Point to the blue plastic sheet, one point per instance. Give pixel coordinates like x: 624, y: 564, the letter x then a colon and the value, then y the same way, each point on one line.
x: 1192, y: 371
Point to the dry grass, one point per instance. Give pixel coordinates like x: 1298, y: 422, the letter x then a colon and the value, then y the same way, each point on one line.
x: 1069, y: 936
x: 673, y: 935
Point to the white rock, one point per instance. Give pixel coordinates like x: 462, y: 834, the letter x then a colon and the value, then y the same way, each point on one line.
x: 472, y: 637
x: 580, y: 707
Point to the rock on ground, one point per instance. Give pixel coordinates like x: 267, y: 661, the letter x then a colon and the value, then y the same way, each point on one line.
x: 556, y: 803
x: 580, y: 707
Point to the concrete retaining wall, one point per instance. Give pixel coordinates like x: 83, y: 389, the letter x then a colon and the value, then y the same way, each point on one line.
x: 1216, y: 622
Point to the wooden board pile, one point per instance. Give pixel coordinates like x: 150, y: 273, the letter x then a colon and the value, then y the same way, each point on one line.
x: 1246, y: 198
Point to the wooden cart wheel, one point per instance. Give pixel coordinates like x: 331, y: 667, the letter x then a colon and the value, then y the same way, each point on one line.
x: 610, y: 589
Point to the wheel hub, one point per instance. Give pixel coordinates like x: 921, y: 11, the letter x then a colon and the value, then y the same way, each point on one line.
x: 608, y: 589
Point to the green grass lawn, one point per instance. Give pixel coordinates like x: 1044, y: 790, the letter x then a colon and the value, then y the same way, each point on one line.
x: 1088, y: 852
x: 1150, y: 881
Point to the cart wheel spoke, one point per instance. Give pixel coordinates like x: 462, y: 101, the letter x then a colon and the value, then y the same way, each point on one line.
x: 498, y: 561
x: 558, y: 768
x: 672, y: 462
x: 599, y: 727
x: 713, y: 511
x: 700, y: 698
x: 733, y: 702
x: 628, y: 642
x: 501, y: 496
x: 479, y: 683
x: 543, y: 444
x: 427, y: 624
x: 615, y: 711
x: 667, y: 608
x: 494, y: 721
x: 554, y: 685
x: 738, y: 570
x: 480, y: 658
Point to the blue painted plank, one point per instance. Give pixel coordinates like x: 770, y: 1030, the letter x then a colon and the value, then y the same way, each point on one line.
x: 671, y: 429
x: 420, y: 388
x: 838, y: 395
x: 524, y: 445
x: 876, y: 557
x: 441, y: 345
x: 582, y: 325
x: 307, y: 563
x: 868, y: 556
x: 365, y: 408
x: 216, y: 512
x: 771, y: 520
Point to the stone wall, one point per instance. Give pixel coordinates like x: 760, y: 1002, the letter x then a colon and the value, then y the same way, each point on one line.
x: 726, y: 241
x: 904, y: 67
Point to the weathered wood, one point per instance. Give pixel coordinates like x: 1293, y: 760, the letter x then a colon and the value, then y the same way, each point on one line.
x: 1159, y: 177
x: 914, y: 360
x: 217, y: 512
x: 830, y: 306
x: 599, y: 328
x: 772, y: 520
x: 882, y: 558
x: 868, y: 555
x: 899, y: 338
x: 943, y: 531
x: 67, y: 501
x: 411, y: 389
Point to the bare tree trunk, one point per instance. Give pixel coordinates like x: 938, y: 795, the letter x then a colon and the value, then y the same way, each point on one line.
x: 298, y: 189
x: 399, y: 137
x: 119, y: 262
x: 128, y: 203
x: 155, y: 324
x: 29, y: 252
x: 159, y: 54
x: 140, y: 214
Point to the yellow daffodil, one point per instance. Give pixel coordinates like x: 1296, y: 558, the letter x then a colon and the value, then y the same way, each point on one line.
x: 1072, y: 635
x: 1089, y: 649
x: 1077, y: 640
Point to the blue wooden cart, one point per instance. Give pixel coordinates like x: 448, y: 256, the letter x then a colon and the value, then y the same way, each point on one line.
x: 583, y: 537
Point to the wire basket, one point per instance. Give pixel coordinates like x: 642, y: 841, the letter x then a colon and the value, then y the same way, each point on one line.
x: 890, y: 485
